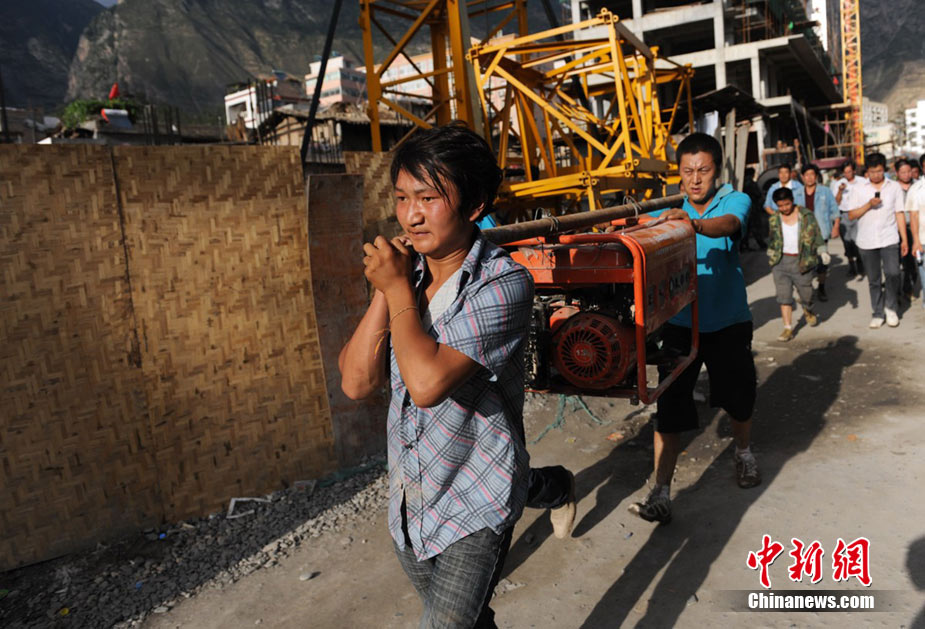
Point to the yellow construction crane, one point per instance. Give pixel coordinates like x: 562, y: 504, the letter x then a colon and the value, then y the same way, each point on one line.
x: 851, y: 75
x: 539, y: 90
x: 531, y: 96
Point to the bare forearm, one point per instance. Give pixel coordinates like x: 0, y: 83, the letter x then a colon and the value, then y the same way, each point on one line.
x: 362, y: 360
x: 429, y: 370
x: 416, y: 352
x: 718, y: 227
x: 769, y: 211
x: 857, y: 213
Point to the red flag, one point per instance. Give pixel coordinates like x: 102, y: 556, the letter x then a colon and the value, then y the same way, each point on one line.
x: 114, y: 91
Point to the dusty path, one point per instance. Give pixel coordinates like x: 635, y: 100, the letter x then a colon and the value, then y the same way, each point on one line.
x: 838, y: 435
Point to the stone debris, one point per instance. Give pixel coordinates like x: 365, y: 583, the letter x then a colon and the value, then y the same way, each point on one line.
x: 119, y: 584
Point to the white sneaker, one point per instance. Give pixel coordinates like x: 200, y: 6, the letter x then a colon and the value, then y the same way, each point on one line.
x: 875, y: 323
x: 892, y: 319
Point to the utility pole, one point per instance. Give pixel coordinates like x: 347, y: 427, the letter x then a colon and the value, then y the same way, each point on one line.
x: 3, y: 120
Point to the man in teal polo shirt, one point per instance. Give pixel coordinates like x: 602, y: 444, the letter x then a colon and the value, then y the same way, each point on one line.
x: 719, y: 217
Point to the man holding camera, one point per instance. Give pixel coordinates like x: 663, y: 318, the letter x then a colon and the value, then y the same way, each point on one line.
x: 877, y: 206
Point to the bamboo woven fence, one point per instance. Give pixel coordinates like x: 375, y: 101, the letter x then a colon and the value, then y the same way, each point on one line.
x: 158, y: 345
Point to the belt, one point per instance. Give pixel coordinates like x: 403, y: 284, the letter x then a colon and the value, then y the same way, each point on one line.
x: 792, y: 254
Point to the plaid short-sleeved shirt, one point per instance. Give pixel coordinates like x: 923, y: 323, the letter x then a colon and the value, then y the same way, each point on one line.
x: 462, y: 465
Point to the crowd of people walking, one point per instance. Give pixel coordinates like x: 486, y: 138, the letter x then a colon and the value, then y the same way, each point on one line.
x: 874, y: 210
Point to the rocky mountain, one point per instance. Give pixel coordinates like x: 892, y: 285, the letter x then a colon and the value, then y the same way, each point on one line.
x: 893, y: 52
x: 185, y: 52
x: 37, y: 42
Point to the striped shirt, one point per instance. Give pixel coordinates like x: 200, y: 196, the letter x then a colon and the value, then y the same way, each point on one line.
x: 462, y: 465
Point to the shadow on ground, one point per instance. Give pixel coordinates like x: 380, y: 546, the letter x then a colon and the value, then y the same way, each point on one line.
x: 915, y: 564
x: 705, y: 520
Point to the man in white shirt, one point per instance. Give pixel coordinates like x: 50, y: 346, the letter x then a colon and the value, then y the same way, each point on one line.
x: 915, y: 206
x: 877, y: 206
x: 844, y: 226
x: 903, y: 169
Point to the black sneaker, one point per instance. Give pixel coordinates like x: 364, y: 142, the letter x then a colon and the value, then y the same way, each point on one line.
x: 655, y: 508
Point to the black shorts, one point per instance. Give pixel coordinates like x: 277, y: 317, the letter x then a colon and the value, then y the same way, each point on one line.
x: 730, y: 365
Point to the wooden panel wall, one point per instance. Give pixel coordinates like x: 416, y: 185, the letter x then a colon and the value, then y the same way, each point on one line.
x: 152, y: 376
x: 341, y: 298
x: 75, y: 441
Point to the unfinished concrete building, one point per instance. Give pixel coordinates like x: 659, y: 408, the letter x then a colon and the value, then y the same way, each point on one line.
x: 768, y: 49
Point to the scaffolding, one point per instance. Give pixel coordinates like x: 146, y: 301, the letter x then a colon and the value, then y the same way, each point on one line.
x: 444, y: 25
x: 585, y: 113
x: 572, y: 120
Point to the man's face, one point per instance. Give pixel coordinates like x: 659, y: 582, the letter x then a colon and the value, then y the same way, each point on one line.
x: 432, y: 222
x: 698, y: 176
x: 809, y: 178
x: 849, y: 172
x: 784, y: 174
x: 916, y: 172
x: 904, y: 173
x: 875, y: 174
x: 785, y: 206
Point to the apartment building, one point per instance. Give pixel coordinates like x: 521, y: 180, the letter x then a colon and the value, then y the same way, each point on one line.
x: 344, y: 81
x: 915, y: 128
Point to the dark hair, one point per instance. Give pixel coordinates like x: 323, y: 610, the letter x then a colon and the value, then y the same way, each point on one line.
x: 782, y: 193
x: 785, y: 165
x: 851, y: 163
x: 701, y: 143
x: 451, y: 154
x: 813, y: 168
x: 921, y: 161
x: 902, y: 161
x: 875, y: 159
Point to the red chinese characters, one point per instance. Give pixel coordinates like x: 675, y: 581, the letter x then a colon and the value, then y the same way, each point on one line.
x: 764, y: 558
x: 852, y: 560
x: 849, y: 560
x: 806, y: 560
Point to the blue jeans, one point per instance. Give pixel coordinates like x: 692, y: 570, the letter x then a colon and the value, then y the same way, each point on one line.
x: 456, y: 586
x: 888, y: 296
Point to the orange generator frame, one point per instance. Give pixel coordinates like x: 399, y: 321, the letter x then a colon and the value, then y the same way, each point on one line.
x: 601, y: 300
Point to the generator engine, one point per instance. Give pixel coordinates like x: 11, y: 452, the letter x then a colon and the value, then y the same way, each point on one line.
x: 601, y: 300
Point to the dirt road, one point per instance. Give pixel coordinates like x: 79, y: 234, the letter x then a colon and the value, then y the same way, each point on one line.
x: 839, y: 439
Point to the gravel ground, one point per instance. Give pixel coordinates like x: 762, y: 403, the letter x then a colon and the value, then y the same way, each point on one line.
x: 119, y: 584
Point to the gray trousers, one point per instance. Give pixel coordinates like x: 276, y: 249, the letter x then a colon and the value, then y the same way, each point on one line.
x: 787, y: 276
x: 888, y: 294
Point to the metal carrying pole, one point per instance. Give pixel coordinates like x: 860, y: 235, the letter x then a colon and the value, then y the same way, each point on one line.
x: 558, y: 224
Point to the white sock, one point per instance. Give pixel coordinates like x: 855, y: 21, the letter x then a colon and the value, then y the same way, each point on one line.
x: 741, y: 451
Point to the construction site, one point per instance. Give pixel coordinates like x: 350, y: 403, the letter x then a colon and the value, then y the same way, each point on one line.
x: 176, y: 448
